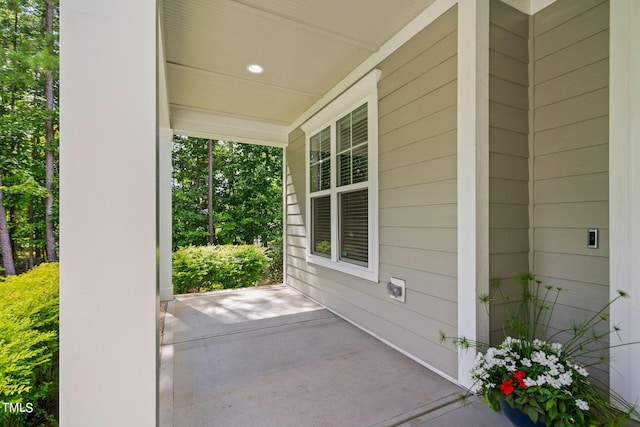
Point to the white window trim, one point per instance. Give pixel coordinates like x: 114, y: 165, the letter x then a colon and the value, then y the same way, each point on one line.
x: 365, y: 90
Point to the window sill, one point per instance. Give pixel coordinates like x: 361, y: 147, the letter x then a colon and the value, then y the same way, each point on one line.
x: 344, y: 267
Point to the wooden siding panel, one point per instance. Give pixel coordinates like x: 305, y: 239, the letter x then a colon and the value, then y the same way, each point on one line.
x: 503, y: 41
x: 428, y: 62
x: 509, y: 240
x: 574, y: 162
x: 569, y: 241
x: 573, y: 136
x: 579, y: 108
x: 508, y: 192
x: 429, y: 171
x: 437, y: 93
x: 573, y: 31
x: 424, y: 282
x: 588, y: 269
x: 512, y: 20
x: 435, y: 124
x: 509, y: 118
x: 428, y: 238
x: 583, y: 80
x: 508, y: 93
x: 508, y: 142
x: 434, y: 147
x: 566, y: 214
x: 444, y: 263
x: 560, y: 12
x: 509, y: 216
x: 443, y: 215
x: 583, y: 188
x: 508, y: 69
x: 435, y: 32
x: 508, y: 167
x: 432, y: 193
x: 578, y: 55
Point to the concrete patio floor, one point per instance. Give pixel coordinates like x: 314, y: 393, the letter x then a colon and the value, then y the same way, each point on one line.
x: 272, y: 357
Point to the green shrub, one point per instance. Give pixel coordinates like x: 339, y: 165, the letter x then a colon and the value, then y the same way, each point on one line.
x: 207, y: 268
x: 29, y: 347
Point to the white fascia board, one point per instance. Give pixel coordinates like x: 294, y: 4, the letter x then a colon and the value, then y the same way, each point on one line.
x: 429, y: 15
x: 530, y: 7
x: 203, y: 125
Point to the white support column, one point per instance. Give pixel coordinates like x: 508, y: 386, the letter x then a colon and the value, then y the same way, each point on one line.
x: 165, y: 137
x: 473, y: 176
x: 108, y: 205
x: 624, y: 192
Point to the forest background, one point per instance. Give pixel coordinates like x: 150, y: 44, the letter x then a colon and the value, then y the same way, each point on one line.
x: 223, y: 192
x: 227, y: 203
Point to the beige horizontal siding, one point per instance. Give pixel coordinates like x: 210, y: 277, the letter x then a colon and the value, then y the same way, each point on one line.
x: 417, y: 204
x: 579, y: 161
x: 508, y: 149
x: 433, y: 147
x: 571, y: 161
x: 559, y: 13
x: 573, y: 31
x: 572, y: 136
x: 573, y: 57
x: 439, y: 215
x: 567, y: 214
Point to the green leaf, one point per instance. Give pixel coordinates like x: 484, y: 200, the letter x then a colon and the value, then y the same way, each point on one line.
x: 533, y: 414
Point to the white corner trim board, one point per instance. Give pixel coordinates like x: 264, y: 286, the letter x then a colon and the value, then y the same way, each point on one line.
x: 473, y: 178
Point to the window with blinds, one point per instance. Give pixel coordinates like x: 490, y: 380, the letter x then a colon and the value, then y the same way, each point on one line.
x: 321, y: 218
x: 320, y: 160
x: 350, y: 190
x: 342, y: 199
x: 354, y: 227
x: 352, y: 138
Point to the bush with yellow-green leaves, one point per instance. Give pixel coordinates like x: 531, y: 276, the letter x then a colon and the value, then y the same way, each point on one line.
x: 29, y: 325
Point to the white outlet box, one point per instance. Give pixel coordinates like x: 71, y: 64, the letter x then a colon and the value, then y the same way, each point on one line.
x: 400, y: 284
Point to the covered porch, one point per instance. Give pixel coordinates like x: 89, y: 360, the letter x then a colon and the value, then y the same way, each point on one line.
x: 135, y: 73
x: 273, y: 357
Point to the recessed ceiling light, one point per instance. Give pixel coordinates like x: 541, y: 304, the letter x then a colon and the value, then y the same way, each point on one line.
x: 255, y: 68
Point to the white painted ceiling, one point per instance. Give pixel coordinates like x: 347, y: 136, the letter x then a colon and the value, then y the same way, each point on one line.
x: 305, y: 46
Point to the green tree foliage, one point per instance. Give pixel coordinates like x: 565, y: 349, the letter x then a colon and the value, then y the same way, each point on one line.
x: 207, y: 268
x: 29, y: 346
x: 247, y: 194
x: 27, y: 55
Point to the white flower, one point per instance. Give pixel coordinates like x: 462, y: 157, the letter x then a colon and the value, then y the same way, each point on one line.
x: 529, y: 382
x: 526, y: 362
x: 582, y: 404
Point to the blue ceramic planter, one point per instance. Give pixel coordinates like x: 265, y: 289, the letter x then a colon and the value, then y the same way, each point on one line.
x: 517, y: 417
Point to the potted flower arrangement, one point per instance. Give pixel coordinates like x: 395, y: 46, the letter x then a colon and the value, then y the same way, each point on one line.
x: 538, y: 381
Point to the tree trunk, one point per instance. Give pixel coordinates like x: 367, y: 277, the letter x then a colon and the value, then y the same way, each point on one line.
x: 50, y: 155
x: 5, y: 240
x: 212, y: 231
x: 32, y: 257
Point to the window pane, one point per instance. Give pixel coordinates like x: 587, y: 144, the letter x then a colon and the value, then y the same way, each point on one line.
x: 352, y: 147
x: 321, y: 225
x: 354, y: 227
x: 320, y: 160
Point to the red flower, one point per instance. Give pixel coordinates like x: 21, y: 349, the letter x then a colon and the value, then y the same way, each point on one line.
x: 507, y: 387
x: 520, y: 375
